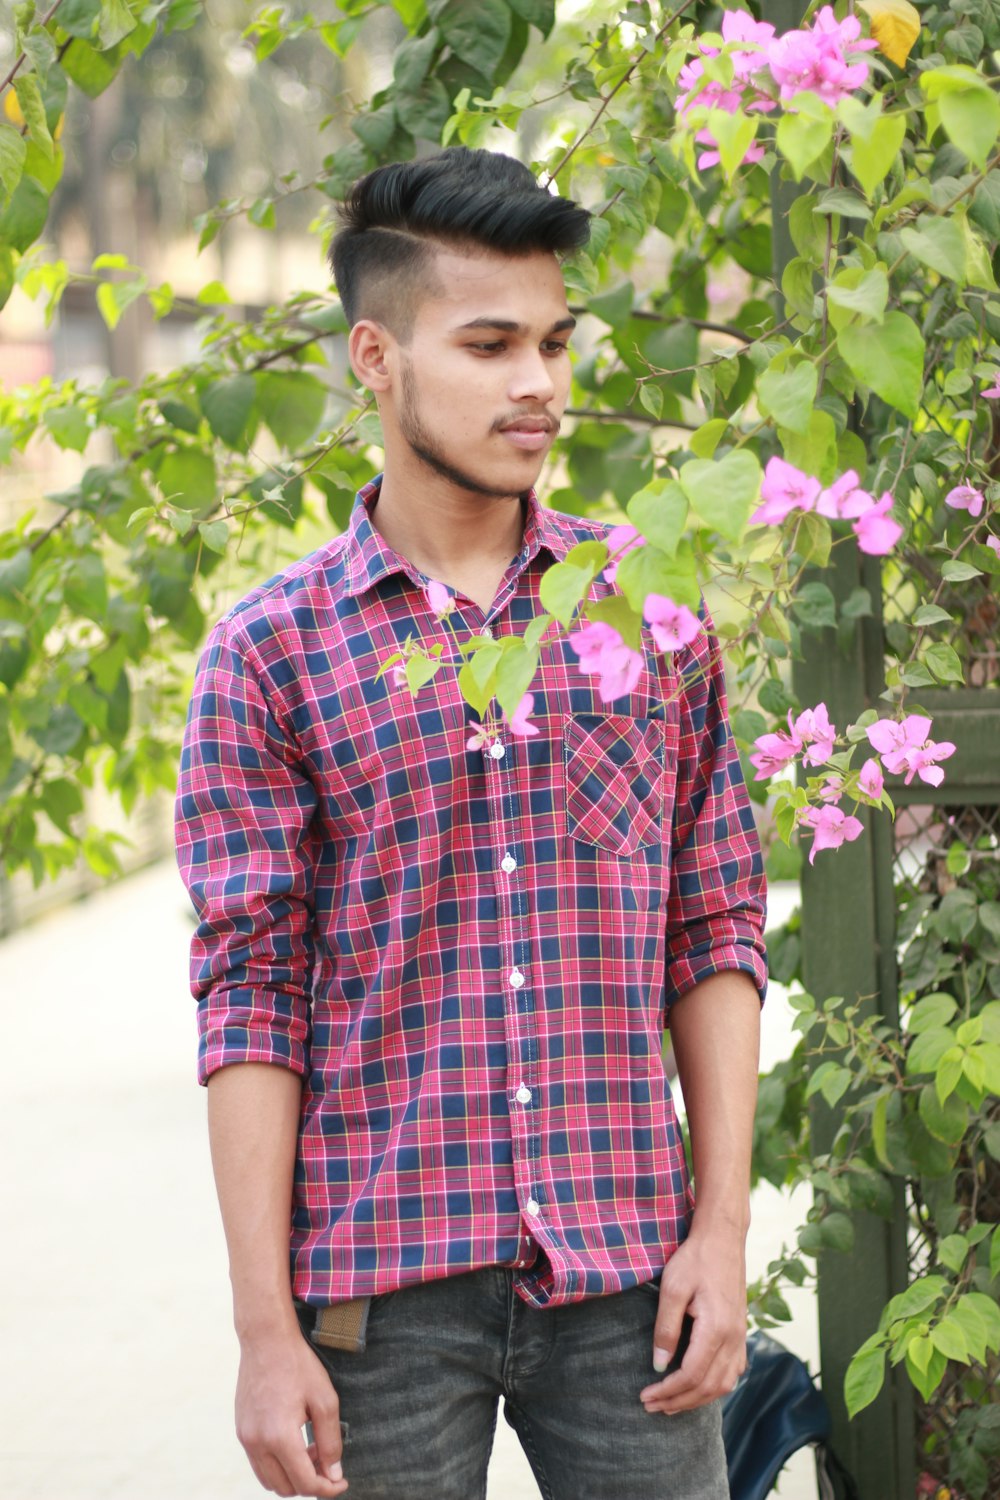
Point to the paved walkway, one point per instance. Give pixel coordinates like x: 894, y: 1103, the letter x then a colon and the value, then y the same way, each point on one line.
x: 118, y: 1356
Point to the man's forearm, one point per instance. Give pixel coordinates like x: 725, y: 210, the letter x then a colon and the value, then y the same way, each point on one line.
x: 715, y: 1032
x: 253, y: 1119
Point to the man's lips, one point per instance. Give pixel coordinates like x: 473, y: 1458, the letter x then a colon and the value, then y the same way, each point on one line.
x: 529, y: 433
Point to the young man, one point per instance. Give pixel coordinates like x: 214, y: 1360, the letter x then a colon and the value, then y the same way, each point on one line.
x: 433, y: 968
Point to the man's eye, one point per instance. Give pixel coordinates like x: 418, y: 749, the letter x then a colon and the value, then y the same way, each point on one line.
x: 489, y: 348
x: 555, y: 346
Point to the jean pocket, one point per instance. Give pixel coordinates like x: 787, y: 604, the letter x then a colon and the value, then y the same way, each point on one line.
x: 615, y: 776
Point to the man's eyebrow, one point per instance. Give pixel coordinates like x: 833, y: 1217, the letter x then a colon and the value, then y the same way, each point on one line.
x: 507, y: 325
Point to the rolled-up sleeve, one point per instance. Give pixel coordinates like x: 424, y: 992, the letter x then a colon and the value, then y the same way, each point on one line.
x: 244, y: 811
x: 716, y: 908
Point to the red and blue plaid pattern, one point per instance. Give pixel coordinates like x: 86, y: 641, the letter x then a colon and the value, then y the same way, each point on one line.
x: 468, y: 957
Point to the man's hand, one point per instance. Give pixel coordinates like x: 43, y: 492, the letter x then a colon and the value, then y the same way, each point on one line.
x: 282, y: 1385
x: 706, y: 1278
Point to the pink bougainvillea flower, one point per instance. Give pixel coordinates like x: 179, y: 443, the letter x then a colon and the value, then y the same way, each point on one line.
x: 603, y: 652
x: 992, y: 392
x: 672, y: 625
x: 993, y: 542
x: 621, y: 539
x: 817, y: 60
x: 520, y: 720
x: 482, y: 738
x: 740, y: 26
x: 833, y: 499
x: 440, y: 600
x: 399, y: 676
x: 871, y: 780
x: 831, y: 827
x: 774, y: 753
x: 832, y: 789
x: 904, y: 745
x: 814, y: 733
x: 711, y: 158
x: 966, y: 497
x: 875, y: 529
x: 783, y: 489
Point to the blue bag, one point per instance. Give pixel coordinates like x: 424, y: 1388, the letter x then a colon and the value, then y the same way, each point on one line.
x: 774, y: 1410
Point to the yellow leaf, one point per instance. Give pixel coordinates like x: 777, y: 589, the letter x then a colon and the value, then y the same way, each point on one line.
x: 895, y: 26
x: 12, y: 108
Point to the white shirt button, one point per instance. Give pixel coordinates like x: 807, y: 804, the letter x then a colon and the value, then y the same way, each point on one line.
x: 520, y: 1264
x: 497, y: 750
x: 532, y: 1207
x: 516, y: 978
x: 487, y: 631
x: 523, y: 1095
x: 508, y: 863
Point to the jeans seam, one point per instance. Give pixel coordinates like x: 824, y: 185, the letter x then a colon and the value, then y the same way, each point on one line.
x: 527, y: 1442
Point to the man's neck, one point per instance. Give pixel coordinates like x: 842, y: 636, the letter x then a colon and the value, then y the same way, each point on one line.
x: 447, y: 533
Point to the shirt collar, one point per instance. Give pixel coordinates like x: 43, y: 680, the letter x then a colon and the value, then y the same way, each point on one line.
x: 369, y: 558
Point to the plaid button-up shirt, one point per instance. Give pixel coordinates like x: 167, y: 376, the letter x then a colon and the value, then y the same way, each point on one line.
x: 468, y: 954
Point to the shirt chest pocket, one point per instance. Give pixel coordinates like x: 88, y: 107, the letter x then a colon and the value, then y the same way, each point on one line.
x: 616, y: 771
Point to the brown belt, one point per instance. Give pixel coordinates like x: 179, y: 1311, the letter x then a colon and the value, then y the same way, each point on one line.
x: 342, y: 1325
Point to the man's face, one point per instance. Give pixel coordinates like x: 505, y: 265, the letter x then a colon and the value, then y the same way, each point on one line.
x: 479, y: 390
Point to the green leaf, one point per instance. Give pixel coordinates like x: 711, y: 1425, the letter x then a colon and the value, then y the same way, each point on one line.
x: 971, y: 119
x: 187, y: 477
x: 660, y: 512
x: 944, y: 662
x: 864, y: 1378
x: 61, y: 801
x: 889, y: 359
x: 424, y: 113
x: 29, y: 97
x: 836, y: 1230
x: 705, y: 441
x: 68, y: 426
x: 117, y: 21
x: 802, y: 138
x: 13, y: 151
x: 647, y: 570
x: 15, y: 572
x: 871, y: 159
x: 113, y: 297
x: 789, y: 395
x: 722, y: 492
x: 227, y: 405
x: 938, y: 243
x: 858, y: 294
x: 616, y: 610
x: 935, y: 1009
x: 956, y: 571
x: 932, y: 614
x: 412, y: 60
x: 613, y: 307
x: 292, y: 404
x: 515, y: 674
x: 420, y: 670
x: 733, y: 135
x: 816, y: 452
x: 928, y: 1049
x: 946, y: 1122
x: 797, y: 286
x: 477, y: 31
x: 540, y: 13
x: 86, y: 587
x: 23, y: 220
x: 814, y: 606
x: 563, y: 588
x: 838, y: 200
x: 215, y: 534
x: 80, y: 18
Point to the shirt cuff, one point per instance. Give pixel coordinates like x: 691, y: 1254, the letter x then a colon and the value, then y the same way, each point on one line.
x: 239, y: 1036
x: 715, y: 956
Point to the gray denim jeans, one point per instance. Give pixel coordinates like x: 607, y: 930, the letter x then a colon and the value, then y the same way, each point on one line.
x: 419, y: 1406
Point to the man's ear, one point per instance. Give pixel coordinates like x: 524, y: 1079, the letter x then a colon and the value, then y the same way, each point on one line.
x: 367, y: 348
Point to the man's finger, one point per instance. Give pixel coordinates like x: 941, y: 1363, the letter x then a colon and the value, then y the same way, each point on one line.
x: 271, y: 1475
x: 303, y: 1473
x: 697, y: 1360
x: 324, y: 1415
x: 669, y: 1328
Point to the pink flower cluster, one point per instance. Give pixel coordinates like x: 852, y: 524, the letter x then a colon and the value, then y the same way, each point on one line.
x: 903, y: 745
x: 785, y: 489
x: 822, y: 58
x: 605, y: 654
x: 966, y: 497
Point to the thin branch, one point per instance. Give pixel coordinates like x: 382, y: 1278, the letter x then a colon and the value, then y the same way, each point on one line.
x: 17, y: 65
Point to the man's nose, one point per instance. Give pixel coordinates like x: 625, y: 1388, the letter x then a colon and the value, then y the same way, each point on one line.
x: 532, y: 378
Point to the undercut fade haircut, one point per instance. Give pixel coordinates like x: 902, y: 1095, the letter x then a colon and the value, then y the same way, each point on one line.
x: 395, y: 219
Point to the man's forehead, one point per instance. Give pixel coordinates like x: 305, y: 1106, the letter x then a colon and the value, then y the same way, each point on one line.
x: 517, y: 289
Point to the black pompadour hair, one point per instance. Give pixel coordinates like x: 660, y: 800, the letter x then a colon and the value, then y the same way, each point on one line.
x: 395, y: 217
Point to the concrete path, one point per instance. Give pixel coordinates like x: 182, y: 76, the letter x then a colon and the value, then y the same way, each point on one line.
x: 119, y: 1361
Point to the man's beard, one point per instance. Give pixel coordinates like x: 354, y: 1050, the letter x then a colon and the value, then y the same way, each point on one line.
x: 424, y: 446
